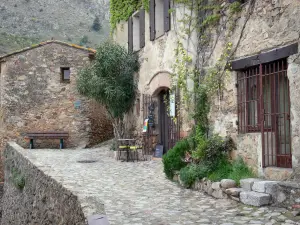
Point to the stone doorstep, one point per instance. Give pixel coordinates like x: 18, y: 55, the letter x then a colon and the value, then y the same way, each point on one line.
x: 268, y: 187
x: 255, y: 198
x: 248, y: 183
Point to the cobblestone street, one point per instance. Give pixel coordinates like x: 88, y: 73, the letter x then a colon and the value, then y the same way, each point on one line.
x: 139, y: 193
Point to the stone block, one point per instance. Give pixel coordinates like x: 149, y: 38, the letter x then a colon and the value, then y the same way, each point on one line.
x: 248, y: 183
x: 234, y: 191
x: 255, y: 198
x: 219, y: 194
x: 279, y: 197
x: 228, y: 183
x: 263, y: 186
x: 210, y: 191
x: 175, y: 177
x: 197, y: 185
x: 216, y: 185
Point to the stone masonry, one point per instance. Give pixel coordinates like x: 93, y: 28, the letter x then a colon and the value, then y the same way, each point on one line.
x: 33, y: 96
x: 60, y: 188
x: 271, y: 24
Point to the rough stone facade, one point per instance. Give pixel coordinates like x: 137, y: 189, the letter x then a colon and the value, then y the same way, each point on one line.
x: 271, y: 24
x: 35, y: 98
x: 42, y: 200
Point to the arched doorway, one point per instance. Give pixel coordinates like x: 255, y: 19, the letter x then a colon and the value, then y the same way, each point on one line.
x: 159, y: 108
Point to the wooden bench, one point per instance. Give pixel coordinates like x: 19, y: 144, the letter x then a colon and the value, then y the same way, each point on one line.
x: 47, y: 135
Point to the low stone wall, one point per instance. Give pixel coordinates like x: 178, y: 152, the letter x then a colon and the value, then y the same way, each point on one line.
x: 32, y: 197
x: 255, y: 192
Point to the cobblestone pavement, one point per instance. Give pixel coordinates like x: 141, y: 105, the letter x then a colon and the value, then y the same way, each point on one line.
x: 139, y: 193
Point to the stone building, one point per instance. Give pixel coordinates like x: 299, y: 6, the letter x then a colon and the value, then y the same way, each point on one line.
x: 38, y: 93
x: 259, y: 105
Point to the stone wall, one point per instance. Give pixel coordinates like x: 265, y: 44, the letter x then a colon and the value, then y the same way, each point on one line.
x: 34, y: 98
x: 42, y: 200
x: 157, y: 58
x: 293, y: 75
x: 271, y: 24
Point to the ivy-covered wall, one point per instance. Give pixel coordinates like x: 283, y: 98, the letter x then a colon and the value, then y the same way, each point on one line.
x: 122, y: 10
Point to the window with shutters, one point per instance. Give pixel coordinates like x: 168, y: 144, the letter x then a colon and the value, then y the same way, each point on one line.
x: 160, y: 20
x: 136, y: 31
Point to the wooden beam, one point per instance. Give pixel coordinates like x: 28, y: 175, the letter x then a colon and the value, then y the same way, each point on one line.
x: 265, y: 57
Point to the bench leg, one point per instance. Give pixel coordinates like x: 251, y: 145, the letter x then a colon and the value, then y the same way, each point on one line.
x: 31, y: 144
x: 61, y: 145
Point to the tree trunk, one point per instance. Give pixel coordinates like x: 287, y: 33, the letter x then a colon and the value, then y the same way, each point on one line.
x: 119, y: 128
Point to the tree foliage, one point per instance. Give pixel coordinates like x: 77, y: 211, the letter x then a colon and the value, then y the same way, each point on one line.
x: 109, y: 79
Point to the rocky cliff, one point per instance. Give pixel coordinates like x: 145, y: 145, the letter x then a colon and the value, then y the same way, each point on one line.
x: 25, y: 22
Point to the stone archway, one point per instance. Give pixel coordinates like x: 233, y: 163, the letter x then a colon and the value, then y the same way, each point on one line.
x: 158, y: 82
x: 167, y: 131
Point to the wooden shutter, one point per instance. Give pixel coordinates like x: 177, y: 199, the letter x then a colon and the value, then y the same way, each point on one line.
x: 152, y: 20
x: 130, y: 34
x: 167, y: 16
x: 142, y: 28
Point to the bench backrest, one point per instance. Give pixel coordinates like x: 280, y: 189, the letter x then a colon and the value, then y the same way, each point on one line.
x: 49, y: 134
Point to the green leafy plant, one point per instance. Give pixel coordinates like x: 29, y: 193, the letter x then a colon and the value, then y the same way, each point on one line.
x: 235, y: 7
x: 122, y: 10
x: 18, y: 178
x: 192, y: 172
x: 110, y: 80
x: 235, y: 170
x: 240, y: 170
x: 221, y: 171
x: 174, y: 159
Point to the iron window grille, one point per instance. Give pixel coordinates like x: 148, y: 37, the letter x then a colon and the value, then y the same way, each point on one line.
x: 264, y: 106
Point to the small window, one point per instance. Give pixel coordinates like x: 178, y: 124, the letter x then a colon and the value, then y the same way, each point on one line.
x: 65, y: 74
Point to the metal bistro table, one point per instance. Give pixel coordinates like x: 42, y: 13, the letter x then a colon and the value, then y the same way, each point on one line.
x: 124, y: 144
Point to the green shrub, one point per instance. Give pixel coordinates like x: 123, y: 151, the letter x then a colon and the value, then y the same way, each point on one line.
x: 173, y: 160
x: 221, y: 171
x: 18, y: 178
x: 212, y: 151
x: 235, y: 7
x: 192, y: 172
x: 240, y: 170
x: 236, y: 170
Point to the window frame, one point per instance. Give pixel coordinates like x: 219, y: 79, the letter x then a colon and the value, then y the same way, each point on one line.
x: 243, y: 123
x: 62, y: 75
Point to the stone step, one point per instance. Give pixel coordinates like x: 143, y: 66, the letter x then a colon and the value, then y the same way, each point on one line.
x: 234, y: 191
x: 265, y: 186
x: 248, y: 183
x: 255, y: 198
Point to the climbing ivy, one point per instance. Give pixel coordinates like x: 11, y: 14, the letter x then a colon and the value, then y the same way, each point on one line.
x: 211, y: 81
x: 122, y: 10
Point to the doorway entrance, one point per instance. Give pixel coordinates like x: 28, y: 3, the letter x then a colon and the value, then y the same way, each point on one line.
x: 169, y: 122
